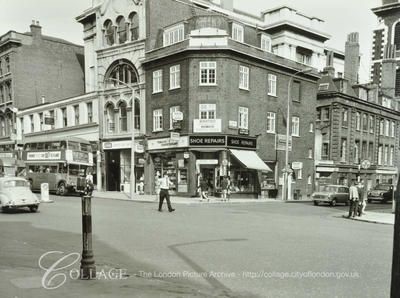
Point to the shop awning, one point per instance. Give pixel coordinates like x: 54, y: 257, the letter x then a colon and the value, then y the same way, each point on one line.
x: 250, y: 160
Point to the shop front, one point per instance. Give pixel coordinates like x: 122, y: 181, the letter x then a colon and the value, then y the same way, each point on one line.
x: 208, y: 157
x: 118, y: 156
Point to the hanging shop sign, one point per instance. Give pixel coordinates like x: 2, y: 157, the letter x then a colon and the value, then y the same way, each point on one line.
x: 280, y: 142
x: 232, y: 124
x: 297, y: 165
x: 243, y: 131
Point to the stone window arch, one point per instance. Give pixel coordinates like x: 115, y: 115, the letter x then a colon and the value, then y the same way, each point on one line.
x: 121, y: 71
x: 134, y: 25
x: 109, y: 32
x: 121, y: 29
x: 110, y: 117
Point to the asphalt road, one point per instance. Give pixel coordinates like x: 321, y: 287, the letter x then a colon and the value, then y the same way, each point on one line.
x: 203, y: 250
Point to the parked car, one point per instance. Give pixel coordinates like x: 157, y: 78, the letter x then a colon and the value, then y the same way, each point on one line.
x: 15, y: 193
x: 332, y: 194
x: 381, y: 192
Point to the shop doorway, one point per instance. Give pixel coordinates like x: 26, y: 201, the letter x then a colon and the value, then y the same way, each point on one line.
x: 208, y: 174
x: 113, y: 172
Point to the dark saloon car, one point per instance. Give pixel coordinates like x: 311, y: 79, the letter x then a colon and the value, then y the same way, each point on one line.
x: 332, y: 194
x: 382, y: 192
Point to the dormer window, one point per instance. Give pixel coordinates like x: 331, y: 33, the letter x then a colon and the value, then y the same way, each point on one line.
x: 265, y: 43
x: 173, y: 35
x: 303, y: 55
x: 237, y: 32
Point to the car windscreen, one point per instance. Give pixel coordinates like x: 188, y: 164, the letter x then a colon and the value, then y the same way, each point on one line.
x: 382, y: 187
x: 329, y: 188
x: 15, y: 183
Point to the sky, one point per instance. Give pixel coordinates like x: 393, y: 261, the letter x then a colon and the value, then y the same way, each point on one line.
x: 57, y: 18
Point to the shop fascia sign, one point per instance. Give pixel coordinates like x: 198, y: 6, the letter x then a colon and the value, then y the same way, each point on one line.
x: 230, y: 141
x: 139, y: 148
x: 166, y: 143
x: 206, y: 125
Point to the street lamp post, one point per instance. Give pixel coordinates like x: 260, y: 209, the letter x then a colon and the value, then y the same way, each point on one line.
x: 285, y: 194
x: 133, y: 179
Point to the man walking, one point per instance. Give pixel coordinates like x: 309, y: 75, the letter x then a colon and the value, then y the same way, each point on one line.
x: 353, y: 200
x: 165, y: 183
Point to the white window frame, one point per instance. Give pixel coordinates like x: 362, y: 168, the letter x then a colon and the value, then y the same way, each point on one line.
x: 173, y: 35
x: 157, y: 81
x: 243, y: 118
x: 393, y: 129
x: 175, y: 77
x: 272, y: 82
x: 299, y: 174
x: 209, y: 110
x: 387, y: 128
x: 244, y: 74
x: 295, y: 126
x: 358, y: 121
x: 171, y: 111
x: 381, y: 127
x: 209, y: 67
x: 158, y: 120
x: 237, y: 32
x: 89, y: 111
x: 271, y: 122
x: 266, y: 43
x: 76, y: 117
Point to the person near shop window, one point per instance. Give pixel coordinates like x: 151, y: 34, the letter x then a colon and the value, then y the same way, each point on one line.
x: 204, y: 190
x: 224, y: 187
x: 165, y: 184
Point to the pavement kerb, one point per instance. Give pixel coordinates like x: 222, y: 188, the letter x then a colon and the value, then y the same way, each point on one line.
x: 367, y: 220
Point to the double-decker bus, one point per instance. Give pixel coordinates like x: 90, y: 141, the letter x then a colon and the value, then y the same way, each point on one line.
x: 58, y: 162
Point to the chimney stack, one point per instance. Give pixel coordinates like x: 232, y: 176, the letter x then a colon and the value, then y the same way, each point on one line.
x: 352, y: 58
x: 329, y: 69
x: 36, y: 29
x: 227, y: 4
x: 388, y: 81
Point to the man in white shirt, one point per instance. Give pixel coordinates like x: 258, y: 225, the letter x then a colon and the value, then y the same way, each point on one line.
x: 165, y: 183
x: 353, y: 192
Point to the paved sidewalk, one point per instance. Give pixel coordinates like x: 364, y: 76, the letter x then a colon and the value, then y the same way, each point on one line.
x: 115, y: 195
x: 375, y: 217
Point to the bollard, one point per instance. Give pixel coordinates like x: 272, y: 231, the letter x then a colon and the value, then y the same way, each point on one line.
x: 44, y: 193
x: 88, y: 267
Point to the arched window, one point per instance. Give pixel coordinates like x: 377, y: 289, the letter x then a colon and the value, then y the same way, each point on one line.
x: 110, y: 118
x: 123, y: 119
x: 121, y: 31
x: 134, y: 28
x: 121, y: 71
x: 109, y: 32
x: 137, y: 113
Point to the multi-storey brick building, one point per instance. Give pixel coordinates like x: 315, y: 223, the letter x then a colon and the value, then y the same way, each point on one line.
x: 357, y: 125
x: 210, y: 76
x: 35, y: 68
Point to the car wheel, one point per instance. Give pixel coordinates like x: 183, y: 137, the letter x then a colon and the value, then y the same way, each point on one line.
x: 333, y: 202
x: 33, y: 208
x: 315, y: 203
x: 61, y: 190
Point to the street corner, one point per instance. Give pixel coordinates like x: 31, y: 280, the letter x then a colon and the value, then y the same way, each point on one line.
x: 373, y: 217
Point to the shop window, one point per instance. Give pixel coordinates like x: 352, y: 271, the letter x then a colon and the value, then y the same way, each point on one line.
x: 242, y: 180
x: 157, y: 81
x: 208, y: 73
x: 174, y: 77
x: 134, y: 25
x: 207, y: 111
x: 121, y: 29
x: 244, y: 77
